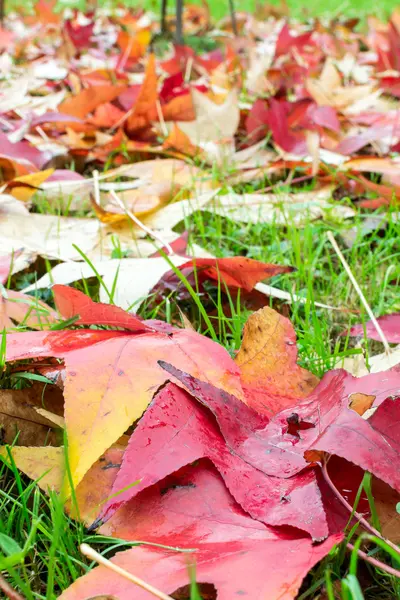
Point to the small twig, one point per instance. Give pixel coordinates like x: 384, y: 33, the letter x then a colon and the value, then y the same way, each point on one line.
x: 121, y: 121
x: 8, y: 591
x: 96, y: 187
x: 126, y: 54
x: 373, y: 561
x: 188, y: 70
x: 233, y: 17
x: 42, y: 134
x: 356, y: 514
x: 93, y: 555
x: 163, y: 126
x: 139, y: 223
x: 359, y: 292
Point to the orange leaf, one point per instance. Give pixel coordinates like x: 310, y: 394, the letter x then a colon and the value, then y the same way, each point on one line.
x: 11, y: 168
x: 46, y: 13
x: 268, y: 360
x: 89, y: 99
x: 25, y: 186
x: 106, y: 115
x: 180, y: 141
x: 179, y: 109
x: 145, y: 104
x: 361, y: 402
x: 134, y: 45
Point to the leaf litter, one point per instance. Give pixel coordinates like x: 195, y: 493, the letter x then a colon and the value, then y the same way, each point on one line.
x: 241, y: 461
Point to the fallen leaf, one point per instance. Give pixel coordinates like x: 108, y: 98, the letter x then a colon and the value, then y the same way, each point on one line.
x: 268, y: 361
x: 281, y: 208
x: 145, y: 103
x: 181, y: 142
x: 215, y: 123
x: 42, y: 464
x: 98, y: 371
x: 89, y: 99
x: 176, y: 432
x: 142, y: 202
x: 386, y: 500
x: 348, y: 435
x: 20, y: 422
x: 233, y: 272
x: 321, y: 423
x: 133, y: 44
x: 131, y: 278
x: 24, y: 310
x: 232, y: 549
x: 46, y: 465
x: 390, y: 325
x: 48, y: 235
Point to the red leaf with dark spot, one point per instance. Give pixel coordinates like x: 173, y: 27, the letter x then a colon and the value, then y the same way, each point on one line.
x: 175, y: 432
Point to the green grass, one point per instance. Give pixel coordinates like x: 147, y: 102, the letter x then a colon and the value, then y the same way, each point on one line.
x: 219, y: 9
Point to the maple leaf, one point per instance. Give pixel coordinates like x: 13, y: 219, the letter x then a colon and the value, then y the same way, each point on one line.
x: 20, y: 415
x: 79, y: 34
x: 233, y: 272
x: 175, y: 432
x: 323, y: 422
x: 192, y: 509
x: 100, y: 385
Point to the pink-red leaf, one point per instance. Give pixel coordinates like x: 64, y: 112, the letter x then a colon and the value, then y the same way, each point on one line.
x: 192, y: 509
x: 390, y: 325
x: 176, y: 431
x: 70, y: 303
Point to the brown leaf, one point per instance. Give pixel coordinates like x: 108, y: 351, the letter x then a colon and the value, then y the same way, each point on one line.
x: 360, y: 403
x: 18, y: 416
x: 386, y: 499
x: 268, y: 360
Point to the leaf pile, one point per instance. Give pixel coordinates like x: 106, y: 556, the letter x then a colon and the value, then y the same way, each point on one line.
x: 245, y: 466
x: 228, y: 458
x: 282, y: 102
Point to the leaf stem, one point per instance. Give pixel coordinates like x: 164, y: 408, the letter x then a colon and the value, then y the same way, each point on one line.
x: 359, y: 292
x: 375, y: 562
x: 9, y: 591
x: 356, y: 514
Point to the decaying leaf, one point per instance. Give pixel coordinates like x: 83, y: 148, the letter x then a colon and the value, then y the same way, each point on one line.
x: 19, y: 308
x: 20, y: 422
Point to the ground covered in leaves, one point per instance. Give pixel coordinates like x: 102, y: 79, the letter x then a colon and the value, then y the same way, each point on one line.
x: 199, y: 291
